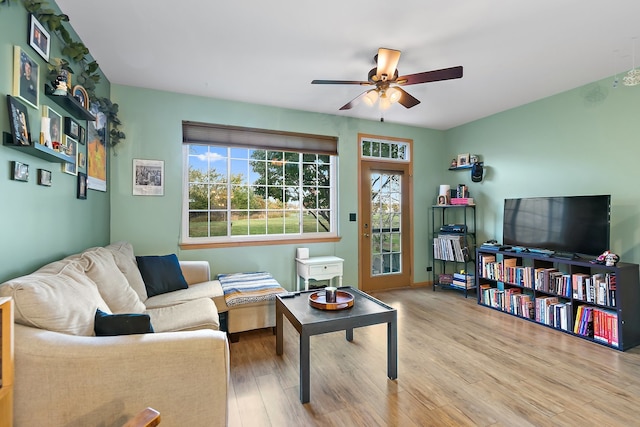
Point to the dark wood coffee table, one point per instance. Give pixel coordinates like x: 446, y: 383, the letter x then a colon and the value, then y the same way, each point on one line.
x: 310, y: 321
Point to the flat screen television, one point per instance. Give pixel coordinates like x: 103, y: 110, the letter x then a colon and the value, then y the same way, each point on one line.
x: 577, y: 225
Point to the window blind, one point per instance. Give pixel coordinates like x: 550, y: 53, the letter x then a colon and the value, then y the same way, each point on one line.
x: 236, y: 136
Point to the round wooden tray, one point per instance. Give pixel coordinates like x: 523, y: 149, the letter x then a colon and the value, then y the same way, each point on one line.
x: 343, y: 300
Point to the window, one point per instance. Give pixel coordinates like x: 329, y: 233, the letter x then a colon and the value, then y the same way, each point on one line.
x: 245, y: 184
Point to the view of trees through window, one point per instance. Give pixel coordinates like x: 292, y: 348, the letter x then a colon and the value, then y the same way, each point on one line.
x: 242, y: 192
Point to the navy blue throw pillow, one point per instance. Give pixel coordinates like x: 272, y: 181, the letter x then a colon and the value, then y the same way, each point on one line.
x: 161, y: 274
x: 121, y: 324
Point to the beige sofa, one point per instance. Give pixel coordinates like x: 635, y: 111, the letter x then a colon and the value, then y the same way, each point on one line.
x: 67, y: 376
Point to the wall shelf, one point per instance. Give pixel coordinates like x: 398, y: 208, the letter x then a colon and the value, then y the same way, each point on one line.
x: 465, y: 167
x: 70, y: 104
x: 38, y: 150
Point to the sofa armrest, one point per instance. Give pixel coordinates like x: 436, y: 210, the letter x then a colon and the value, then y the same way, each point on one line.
x: 78, y: 381
x: 195, y: 271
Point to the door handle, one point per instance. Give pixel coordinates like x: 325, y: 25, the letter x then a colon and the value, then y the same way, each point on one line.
x: 366, y: 234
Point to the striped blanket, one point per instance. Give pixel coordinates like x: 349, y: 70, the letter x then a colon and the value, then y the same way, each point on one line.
x: 245, y: 288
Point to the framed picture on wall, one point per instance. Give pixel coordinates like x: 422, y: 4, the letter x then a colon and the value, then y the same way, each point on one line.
x: 39, y: 38
x: 20, y: 171
x: 71, y: 128
x: 26, y: 81
x: 148, y: 177
x: 44, y: 177
x: 82, y: 185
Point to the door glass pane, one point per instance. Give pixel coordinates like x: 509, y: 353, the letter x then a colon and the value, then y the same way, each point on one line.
x: 386, y: 217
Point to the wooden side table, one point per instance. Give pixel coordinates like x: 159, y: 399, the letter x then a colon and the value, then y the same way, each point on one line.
x: 6, y: 362
x: 318, y: 268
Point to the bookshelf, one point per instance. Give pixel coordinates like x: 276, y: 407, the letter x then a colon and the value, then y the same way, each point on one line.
x: 6, y: 362
x: 453, y: 252
x: 590, y: 301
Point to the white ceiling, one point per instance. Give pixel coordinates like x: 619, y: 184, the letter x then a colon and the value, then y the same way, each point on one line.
x: 267, y: 52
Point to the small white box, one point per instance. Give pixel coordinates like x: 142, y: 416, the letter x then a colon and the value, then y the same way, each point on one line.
x: 302, y: 253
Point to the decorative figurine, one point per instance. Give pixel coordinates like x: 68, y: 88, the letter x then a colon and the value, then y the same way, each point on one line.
x: 611, y: 259
x: 607, y: 258
x: 61, y: 83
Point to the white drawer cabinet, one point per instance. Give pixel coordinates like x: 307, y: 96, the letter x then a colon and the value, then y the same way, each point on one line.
x: 318, y: 268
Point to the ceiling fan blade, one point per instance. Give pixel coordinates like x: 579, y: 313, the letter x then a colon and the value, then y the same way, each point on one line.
x: 355, y: 101
x: 387, y: 62
x: 339, y: 82
x: 431, y: 76
x: 407, y: 100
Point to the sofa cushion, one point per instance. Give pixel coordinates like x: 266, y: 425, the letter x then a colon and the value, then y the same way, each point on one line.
x: 100, y: 265
x: 126, y: 262
x: 58, y: 297
x: 189, y: 316
x: 211, y: 289
x: 121, y: 324
x: 161, y: 274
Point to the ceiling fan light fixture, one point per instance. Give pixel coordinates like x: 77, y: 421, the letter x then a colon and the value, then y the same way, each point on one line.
x: 371, y: 97
x: 394, y: 94
x: 385, y: 102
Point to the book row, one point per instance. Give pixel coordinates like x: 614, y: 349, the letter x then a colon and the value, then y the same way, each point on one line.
x: 592, y: 322
x: 596, y: 288
x: 597, y: 323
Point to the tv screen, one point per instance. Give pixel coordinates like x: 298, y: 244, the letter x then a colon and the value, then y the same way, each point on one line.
x: 572, y: 224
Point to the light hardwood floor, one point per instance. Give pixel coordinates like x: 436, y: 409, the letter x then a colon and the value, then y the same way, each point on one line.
x: 459, y: 364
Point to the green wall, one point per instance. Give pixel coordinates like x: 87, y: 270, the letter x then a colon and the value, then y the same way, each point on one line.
x: 40, y: 224
x: 584, y: 141
x: 152, y: 121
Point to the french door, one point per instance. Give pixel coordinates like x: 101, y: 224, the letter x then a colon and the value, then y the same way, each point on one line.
x: 385, y: 219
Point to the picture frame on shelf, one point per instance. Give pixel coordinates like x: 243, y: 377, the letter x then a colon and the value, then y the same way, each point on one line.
x: 70, y: 148
x: 463, y: 160
x: 44, y: 177
x: 20, y: 171
x: 80, y: 93
x: 39, y: 38
x: 18, y: 121
x: 82, y: 186
x: 26, y: 77
x: 71, y: 128
x: 148, y: 177
x: 55, y: 126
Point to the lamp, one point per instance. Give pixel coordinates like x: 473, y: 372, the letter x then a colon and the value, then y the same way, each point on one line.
x: 394, y: 94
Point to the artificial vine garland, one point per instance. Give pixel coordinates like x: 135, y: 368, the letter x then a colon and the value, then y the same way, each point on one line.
x: 89, y: 76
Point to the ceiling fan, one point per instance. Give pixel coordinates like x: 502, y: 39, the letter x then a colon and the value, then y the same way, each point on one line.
x: 387, y: 83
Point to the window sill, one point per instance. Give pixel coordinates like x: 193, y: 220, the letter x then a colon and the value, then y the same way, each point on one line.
x: 229, y: 244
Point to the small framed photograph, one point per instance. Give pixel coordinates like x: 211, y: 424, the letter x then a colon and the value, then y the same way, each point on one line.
x: 26, y: 81
x: 44, y: 177
x: 82, y: 160
x: 148, y: 177
x: 70, y: 148
x: 71, y: 128
x: 39, y: 38
x: 82, y: 137
x: 80, y: 93
x: 82, y: 186
x: 18, y: 121
x: 20, y: 171
x: 463, y: 159
x: 443, y: 199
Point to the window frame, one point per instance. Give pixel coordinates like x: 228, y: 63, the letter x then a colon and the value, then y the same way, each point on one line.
x: 187, y: 241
